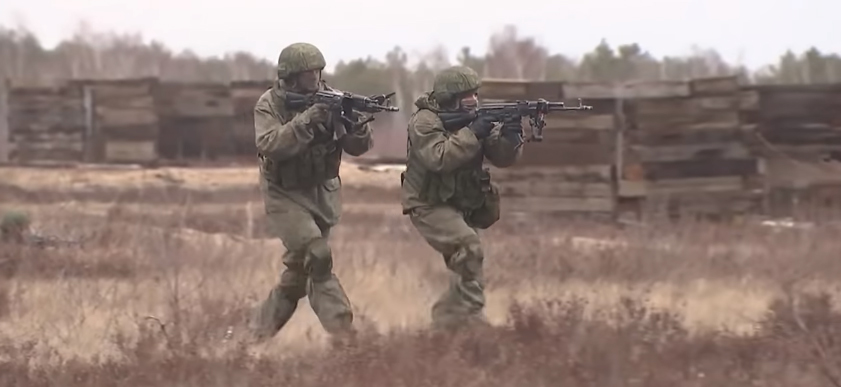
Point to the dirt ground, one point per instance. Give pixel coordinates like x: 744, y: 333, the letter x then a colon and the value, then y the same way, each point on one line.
x: 169, y: 260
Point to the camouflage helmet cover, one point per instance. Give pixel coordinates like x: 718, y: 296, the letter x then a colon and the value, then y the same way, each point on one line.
x: 454, y: 80
x: 299, y: 57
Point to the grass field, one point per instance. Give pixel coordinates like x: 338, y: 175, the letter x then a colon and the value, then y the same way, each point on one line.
x: 172, y: 258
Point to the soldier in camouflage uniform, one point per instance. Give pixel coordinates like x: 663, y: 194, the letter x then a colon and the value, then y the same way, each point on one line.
x: 446, y: 191
x: 300, y: 153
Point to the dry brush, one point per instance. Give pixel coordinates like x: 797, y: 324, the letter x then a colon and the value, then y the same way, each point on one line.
x: 156, y: 291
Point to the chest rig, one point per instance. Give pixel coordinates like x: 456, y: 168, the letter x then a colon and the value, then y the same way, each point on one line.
x: 319, y: 162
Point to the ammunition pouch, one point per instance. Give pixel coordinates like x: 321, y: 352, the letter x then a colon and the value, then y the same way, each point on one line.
x: 485, y: 205
x: 470, y: 191
x: 319, y: 163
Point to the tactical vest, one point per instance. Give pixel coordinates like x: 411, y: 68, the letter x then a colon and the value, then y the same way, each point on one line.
x: 319, y: 162
x: 464, y: 188
x: 312, y: 167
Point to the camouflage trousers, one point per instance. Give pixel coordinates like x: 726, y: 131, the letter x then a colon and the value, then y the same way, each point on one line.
x: 309, y: 272
x: 463, y: 302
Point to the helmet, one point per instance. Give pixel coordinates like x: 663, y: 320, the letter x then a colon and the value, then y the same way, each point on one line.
x: 454, y: 80
x: 299, y: 57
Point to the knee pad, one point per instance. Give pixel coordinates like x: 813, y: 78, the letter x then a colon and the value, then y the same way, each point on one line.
x: 319, y: 260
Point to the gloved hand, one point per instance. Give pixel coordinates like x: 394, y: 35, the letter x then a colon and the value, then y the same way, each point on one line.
x: 354, y: 120
x: 481, y: 127
x: 512, y: 127
x: 353, y: 116
x: 317, y: 113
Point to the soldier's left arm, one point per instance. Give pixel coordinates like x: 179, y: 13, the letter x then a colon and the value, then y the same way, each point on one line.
x: 358, y: 142
x: 503, y: 149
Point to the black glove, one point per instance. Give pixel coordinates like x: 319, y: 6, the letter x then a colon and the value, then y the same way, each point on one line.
x: 481, y: 127
x: 512, y: 126
x: 351, y: 121
x: 512, y: 131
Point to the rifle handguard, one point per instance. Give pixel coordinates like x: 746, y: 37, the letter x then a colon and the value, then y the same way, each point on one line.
x: 456, y: 120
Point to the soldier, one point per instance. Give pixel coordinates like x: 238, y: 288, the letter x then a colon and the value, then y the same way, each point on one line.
x: 300, y: 153
x: 446, y: 191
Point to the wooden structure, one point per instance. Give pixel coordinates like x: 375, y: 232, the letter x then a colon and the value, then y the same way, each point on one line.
x: 121, y: 122
x: 244, y: 96
x: 46, y: 124
x: 84, y: 120
x: 699, y: 146
x: 672, y: 146
x: 797, y: 133
x: 571, y: 170
x: 569, y: 189
x: 196, y: 120
x: 684, y: 151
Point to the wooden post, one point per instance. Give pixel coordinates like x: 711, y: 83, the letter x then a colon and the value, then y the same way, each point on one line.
x: 90, y: 153
x: 5, y: 131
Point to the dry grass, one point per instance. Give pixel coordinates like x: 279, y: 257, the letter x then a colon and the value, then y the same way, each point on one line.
x: 208, y: 178
x: 148, y: 299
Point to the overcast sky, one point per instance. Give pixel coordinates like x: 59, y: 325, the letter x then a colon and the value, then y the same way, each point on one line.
x: 754, y: 32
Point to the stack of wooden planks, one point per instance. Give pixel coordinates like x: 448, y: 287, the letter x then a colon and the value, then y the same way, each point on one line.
x: 196, y: 120
x: 798, y: 135
x: 566, y: 189
x: 685, y: 152
x: 45, y: 124
x: 121, y: 120
x: 570, y: 171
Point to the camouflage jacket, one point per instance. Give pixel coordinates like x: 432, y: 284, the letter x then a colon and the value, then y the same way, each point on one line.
x: 282, y: 141
x: 433, y: 151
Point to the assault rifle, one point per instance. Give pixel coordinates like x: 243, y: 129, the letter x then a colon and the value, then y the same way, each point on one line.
x: 511, y: 111
x: 535, y: 110
x: 343, y: 102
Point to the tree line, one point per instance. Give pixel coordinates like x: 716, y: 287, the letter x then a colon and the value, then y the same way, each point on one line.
x: 91, y: 54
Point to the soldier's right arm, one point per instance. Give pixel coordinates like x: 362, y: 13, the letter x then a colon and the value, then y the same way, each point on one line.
x: 276, y: 139
x: 438, y: 152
